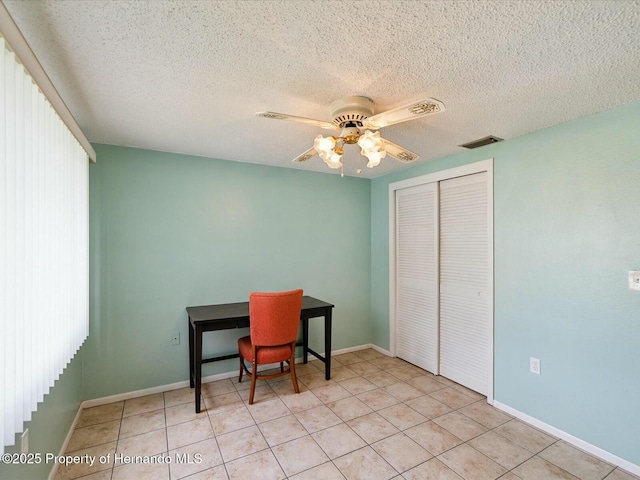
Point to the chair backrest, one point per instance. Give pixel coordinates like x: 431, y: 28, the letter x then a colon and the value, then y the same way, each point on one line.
x: 274, y: 317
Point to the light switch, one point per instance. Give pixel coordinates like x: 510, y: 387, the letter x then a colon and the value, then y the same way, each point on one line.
x: 634, y: 281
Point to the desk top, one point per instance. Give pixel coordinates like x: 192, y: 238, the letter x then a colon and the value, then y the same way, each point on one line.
x: 229, y: 311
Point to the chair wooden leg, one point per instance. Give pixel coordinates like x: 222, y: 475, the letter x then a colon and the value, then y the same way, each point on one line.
x: 241, y: 368
x: 254, y: 371
x: 292, y: 369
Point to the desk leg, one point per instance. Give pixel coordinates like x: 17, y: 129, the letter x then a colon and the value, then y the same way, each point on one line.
x: 305, y: 339
x: 327, y: 344
x: 191, y: 356
x: 198, y: 366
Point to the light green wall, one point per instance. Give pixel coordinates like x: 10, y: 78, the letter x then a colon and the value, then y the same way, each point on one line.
x: 50, y: 424
x: 566, y: 231
x: 169, y: 231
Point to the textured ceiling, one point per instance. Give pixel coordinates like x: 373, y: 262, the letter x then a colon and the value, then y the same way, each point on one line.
x: 188, y: 76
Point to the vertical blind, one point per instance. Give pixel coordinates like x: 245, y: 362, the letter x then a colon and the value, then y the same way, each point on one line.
x: 44, y: 245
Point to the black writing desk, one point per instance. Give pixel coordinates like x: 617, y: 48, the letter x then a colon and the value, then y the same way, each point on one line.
x: 236, y: 315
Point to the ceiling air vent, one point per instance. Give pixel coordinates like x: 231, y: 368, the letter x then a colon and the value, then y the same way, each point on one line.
x: 482, y: 142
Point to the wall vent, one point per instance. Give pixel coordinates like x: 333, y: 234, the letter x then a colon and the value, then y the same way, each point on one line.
x: 482, y: 142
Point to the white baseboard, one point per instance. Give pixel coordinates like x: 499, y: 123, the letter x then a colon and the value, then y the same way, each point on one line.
x: 576, y: 442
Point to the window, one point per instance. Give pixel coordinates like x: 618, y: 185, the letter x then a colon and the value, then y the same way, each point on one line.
x: 44, y: 244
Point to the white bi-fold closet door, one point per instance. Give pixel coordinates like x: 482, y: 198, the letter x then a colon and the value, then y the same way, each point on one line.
x: 443, y: 317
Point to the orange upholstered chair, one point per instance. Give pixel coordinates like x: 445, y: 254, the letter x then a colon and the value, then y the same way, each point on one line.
x: 274, y: 320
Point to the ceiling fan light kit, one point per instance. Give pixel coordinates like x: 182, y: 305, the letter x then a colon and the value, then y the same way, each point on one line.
x: 353, y: 116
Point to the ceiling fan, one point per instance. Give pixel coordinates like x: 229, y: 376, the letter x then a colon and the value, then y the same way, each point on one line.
x: 353, y: 117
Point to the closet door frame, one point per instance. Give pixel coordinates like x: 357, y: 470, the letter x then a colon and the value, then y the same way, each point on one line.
x: 477, y: 167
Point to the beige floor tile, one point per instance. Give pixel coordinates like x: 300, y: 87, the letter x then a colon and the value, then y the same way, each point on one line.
x: 100, y: 414
x: 510, y: 476
x: 181, y: 395
x: 184, y: 412
x: 282, y: 430
x: 347, y: 358
x: 349, y: 408
x: 342, y: 373
x: 144, y: 404
x: 317, y: 418
x: 80, y: 469
x: 485, y: 414
x: 388, y: 362
x: 93, y: 435
x: 141, y: 471
x: 331, y: 393
x: 433, y: 437
x: 500, y: 450
x: 261, y: 464
x: 223, y: 403
x: 537, y: 468
x: 524, y: 435
x: 382, y: 379
x: 306, y: 368
x: 576, y: 462
x: 370, y: 354
x: 285, y: 387
x: 372, y: 427
x: 425, y: 384
x: 314, y: 380
x: 189, y: 432
x: 428, y: 406
x: 263, y: 393
x: 364, y: 464
x: 619, y: 474
x: 142, y: 423
x: 378, y: 399
x: 433, y: 469
x: 460, y: 425
x: 219, y: 387
x: 268, y: 410
x: 338, y: 440
x: 401, y: 452
x: 326, y: 471
x: 405, y: 372
x: 228, y: 421
x: 452, y: 397
x: 471, y: 464
x: 402, y: 416
x: 215, y: 473
x: 194, y: 458
x: 150, y: 443
x: 403, y: 391
x: 239, y: 443
x: 302, y: 401
x: 289, y: 458
x: 364, y: 368
x: 357, y: 385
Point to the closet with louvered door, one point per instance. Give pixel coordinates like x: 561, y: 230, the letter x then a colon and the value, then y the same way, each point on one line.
x: 443, y: 321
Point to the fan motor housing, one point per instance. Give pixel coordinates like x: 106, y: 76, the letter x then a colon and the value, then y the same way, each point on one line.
x: 351, y: 110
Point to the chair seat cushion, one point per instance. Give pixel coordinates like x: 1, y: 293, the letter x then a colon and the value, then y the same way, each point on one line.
x: 275, y: 354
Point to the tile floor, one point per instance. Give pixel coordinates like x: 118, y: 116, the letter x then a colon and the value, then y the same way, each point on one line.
x: 377, y: 418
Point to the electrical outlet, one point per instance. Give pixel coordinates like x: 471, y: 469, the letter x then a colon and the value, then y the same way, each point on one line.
x: 534, y: 365
x: 634, y: 281
x: 25, y: 442
x: 175, y: 340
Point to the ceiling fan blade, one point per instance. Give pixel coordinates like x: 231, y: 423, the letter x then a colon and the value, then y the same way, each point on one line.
x: 303, y: 157
x: 293, y: 118
x: 399, y: 153
x: 422, y: 108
